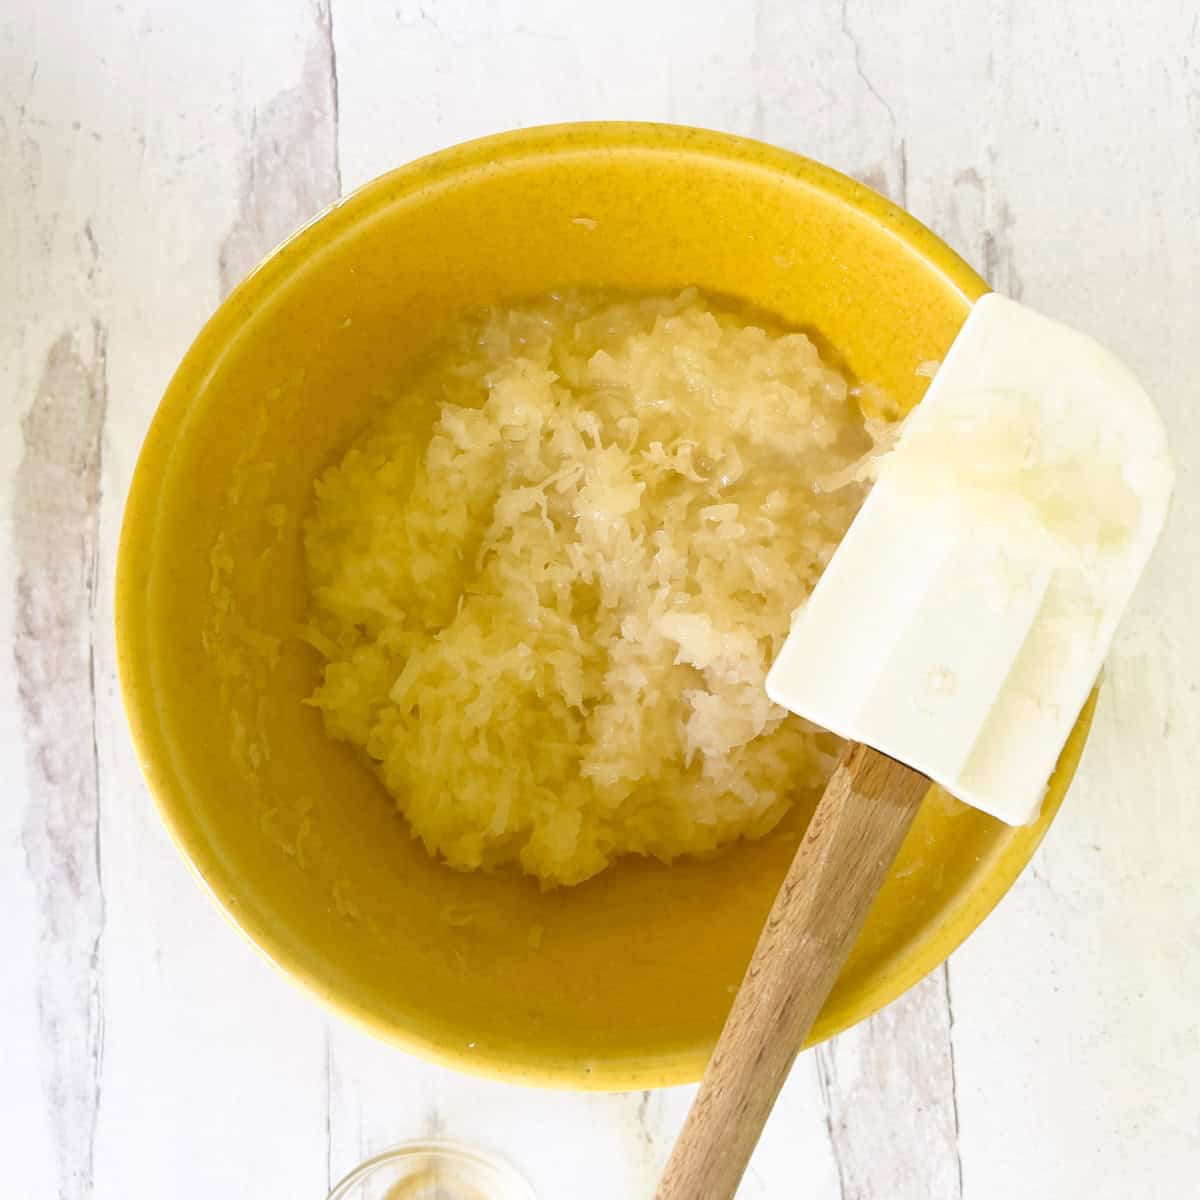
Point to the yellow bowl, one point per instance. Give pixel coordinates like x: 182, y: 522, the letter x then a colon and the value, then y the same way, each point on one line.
x: 623, y: 982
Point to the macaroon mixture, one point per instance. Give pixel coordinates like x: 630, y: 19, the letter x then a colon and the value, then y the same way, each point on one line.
x: 550, y: 577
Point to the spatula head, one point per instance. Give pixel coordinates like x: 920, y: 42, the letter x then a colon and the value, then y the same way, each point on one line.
x: 965, y: 616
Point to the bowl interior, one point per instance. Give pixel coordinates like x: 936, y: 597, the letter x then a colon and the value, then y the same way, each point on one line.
x: 625, y: 980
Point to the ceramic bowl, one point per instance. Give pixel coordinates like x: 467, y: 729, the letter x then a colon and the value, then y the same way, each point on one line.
x: 623, y: 982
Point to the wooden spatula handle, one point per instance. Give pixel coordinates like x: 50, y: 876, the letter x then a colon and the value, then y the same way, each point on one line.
x: 851, y: 841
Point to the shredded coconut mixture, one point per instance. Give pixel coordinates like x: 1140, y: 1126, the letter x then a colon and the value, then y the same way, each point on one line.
x: 550, y: 577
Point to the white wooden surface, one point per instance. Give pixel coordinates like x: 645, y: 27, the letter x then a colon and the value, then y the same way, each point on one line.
x: 149, y: 153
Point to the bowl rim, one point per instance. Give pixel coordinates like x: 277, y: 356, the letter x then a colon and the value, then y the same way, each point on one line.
x: 139, y: 530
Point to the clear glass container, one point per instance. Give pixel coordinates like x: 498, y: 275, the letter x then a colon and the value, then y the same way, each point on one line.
x: 433, y: 1170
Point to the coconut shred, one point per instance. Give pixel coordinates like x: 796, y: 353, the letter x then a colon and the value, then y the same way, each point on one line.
x: 549, y: 578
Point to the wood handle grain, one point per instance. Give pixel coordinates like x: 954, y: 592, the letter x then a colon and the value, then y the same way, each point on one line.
x: 839, y: 868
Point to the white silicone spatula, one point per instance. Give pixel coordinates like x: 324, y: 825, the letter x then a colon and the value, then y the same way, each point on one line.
x: 953, y: 638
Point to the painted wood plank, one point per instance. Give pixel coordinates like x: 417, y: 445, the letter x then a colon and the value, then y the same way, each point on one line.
x: 538, y: 63
x: 1077, y: 1036
x: 153, y: 1049
x: 257, y: 117
x: 837, y: 83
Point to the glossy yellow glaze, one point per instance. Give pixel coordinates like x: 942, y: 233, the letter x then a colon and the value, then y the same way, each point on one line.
x: 620, y: 983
